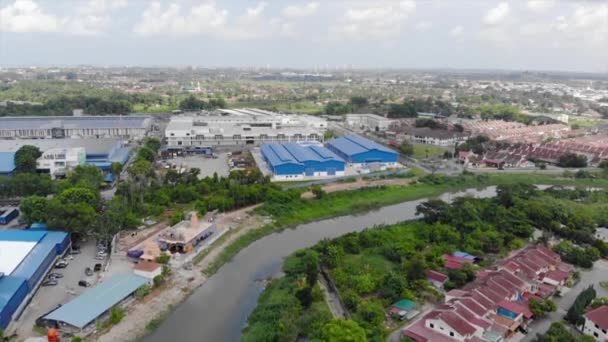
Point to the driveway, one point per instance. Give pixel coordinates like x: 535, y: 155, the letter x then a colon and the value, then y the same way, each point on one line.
x: 48, y: 298
x: 598, y: 273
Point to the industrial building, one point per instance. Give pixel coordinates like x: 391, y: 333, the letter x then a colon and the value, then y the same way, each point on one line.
x: 295, y: 161
x: 83, y: 310
x: 54, y: 127
x: 8, y: 214
x: 7, y: 163
x: 239, y: 127
x: 372, y: 122
x: 60, y: 155
x: 25, y: 258
x: 360, y: 151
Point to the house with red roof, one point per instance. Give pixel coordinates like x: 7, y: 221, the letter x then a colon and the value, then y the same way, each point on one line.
x: 436, y: 279
x: 596, y: 323
x: 453, y: 262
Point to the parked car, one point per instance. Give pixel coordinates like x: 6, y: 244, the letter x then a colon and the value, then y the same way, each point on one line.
x: 84, y: 283
x: 56, y: 275
x: 61, y: 264
x: 50, y: 282
x: 97, y: 267
x: 88, y: 271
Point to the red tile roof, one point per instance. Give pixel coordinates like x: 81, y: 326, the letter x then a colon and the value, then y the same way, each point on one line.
x: 147, y: 266
x: 599, y: 316
x: 558, y: 275
x: 457, y: 323
x: 436, y: 276
x: 516, y: 308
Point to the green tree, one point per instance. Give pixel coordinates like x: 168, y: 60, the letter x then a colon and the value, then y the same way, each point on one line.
x: 76, y: 218
x: 116, y: 168
x: 572, y: 160
x: 358, y: 102
x: 152, y: 143
x: 540, y: 307
x: 34, y: 209
x: 79, y: 196
x: 89, y: 176
x: 25, y: 158
x: 339, y: 330
x: 146, y: 154
x: 415, y: 267
x: 406, y: 148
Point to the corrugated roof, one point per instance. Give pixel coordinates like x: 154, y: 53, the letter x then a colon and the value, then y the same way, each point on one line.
x: 7, y: 162
x: 354, y: 144
x: 48, y: 122
x: 21, y: 235
x: 39, y: 253
x: 293, y: 153
x: 102, y: 147
x: 84, y: 309
x: 8, y: 287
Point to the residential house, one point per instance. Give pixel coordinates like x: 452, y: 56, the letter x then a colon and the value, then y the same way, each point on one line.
x: 596, y: 323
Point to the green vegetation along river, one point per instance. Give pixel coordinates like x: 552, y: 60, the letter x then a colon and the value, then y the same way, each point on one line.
x: 219, y: 309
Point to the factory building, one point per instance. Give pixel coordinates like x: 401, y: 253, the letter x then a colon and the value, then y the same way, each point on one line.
x: 7, y: 163
x: 56, y: 127
x: 372, y: 122
x: 26, y: 256
x: 360, y: 151
x: 239, y: 127
x: 61, y: 155
x: 294, y: 161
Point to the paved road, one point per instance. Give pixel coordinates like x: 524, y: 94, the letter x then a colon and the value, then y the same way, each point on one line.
x: 591, y: 277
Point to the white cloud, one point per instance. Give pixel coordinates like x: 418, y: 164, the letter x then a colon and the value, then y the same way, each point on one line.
x: 301, y: 11
x: 26, y: 16
x: 382, y: 20
x: 89, y: 18
x: 497, y: 14
x: 457, y: 31
x: 540, y: 5
x: 203, y: 18
x: 423, y: 26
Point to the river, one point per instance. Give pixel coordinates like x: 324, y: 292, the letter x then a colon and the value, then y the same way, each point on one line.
x: 218, y: 310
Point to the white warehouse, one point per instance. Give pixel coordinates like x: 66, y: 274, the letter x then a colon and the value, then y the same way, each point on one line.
x: 241, y: 127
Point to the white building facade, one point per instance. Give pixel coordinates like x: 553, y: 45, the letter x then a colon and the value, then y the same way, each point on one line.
x: 242, y: 127
x: 58, y: 161
x: 370, y: 122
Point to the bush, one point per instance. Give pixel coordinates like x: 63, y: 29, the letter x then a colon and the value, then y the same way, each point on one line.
x: 143, y: 291
x: 163, y: 258
x: 158, y: 280
x: 116, y: 315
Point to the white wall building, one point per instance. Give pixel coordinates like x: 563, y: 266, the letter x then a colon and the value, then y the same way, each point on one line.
x: 371, y: 122
x: 242, y: 127
x: 129, y: 127
x: 596, y: 323
x: 58, y: 161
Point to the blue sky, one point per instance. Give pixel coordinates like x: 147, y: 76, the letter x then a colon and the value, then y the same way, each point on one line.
x: 476, y: 34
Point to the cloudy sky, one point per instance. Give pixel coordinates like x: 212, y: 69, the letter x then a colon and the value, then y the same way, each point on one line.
x: 481, y: 34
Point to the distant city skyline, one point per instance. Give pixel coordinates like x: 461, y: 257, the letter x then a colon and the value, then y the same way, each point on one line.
x: 543, y: 35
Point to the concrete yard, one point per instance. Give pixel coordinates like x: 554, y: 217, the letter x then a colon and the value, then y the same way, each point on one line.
x: 49, y: 297
x: 208, y: 166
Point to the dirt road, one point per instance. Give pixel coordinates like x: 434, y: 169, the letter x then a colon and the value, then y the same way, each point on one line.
x: 359, y: 184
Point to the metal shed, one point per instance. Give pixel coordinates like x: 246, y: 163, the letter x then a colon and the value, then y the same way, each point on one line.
x: 357, y: 150
x: 93, y: 303
x: 292, y: 159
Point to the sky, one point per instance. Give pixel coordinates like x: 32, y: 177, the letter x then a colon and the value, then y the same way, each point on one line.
x: 568, y: 35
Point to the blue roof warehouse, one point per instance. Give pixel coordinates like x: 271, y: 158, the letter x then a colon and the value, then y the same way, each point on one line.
x: 95, y: 302
x: 25, y: 258
x: 295, y: 161
x: 7, y: 163
x: 357, y: 150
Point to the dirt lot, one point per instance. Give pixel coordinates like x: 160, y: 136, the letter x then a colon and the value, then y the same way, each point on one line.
x: 182, y: 282
x: 360, y: 183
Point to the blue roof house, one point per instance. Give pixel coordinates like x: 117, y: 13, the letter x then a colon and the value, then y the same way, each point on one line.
x: 357, y: 150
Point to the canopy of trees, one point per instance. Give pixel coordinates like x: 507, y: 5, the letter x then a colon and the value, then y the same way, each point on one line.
x: 25, y: 158
x: 576, y: 311
x: 191, y: 103
x: 572, y: 160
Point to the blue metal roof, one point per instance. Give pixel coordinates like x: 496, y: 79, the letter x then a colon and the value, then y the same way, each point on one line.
x: 40, y: 253
x: 21, y: 235
x: 7, y: 162
x: 353, y: 144
x: 84, y: 309
x: 277, y: 155
x: 8, y: 286
x: 120, y: 155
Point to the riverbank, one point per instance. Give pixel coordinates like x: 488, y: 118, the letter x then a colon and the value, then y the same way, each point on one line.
x: 368, y: 198
x: 134, y: 326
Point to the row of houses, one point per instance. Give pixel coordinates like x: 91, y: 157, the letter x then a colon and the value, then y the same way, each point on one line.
x: 516, y: 132
x: 494, y: 307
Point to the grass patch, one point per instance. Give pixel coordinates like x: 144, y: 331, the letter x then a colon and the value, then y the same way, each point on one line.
x: 156, y: 322
x: 362, y: 200
x: 422, y: 151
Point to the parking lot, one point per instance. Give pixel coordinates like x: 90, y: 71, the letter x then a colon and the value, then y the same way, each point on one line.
x: 48, y: 298
x: 208, y: 166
